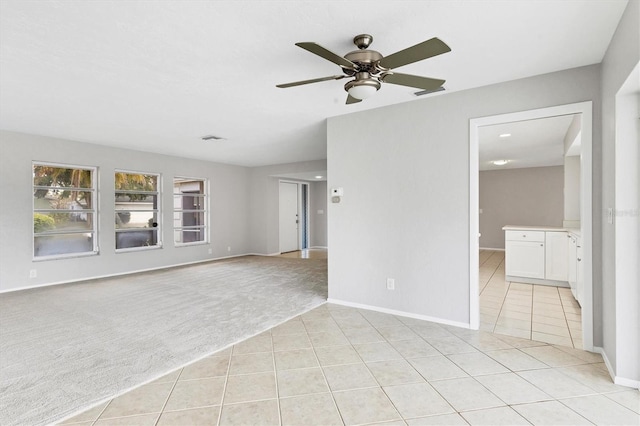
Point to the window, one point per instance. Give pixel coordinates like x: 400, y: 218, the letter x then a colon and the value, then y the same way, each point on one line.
x: 189, y: 211
x: 137, y: 210
x: 64, y: 211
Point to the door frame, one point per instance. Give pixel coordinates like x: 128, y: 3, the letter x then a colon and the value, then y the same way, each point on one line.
x: 586, y: 199
x: 303, y: 219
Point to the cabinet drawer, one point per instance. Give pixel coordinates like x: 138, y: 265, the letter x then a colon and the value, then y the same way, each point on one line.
x: 537, y: 236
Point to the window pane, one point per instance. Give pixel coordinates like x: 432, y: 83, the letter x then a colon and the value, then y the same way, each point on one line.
x: 59, y: 199
x: 189, y: 235
x: 127, y: 219
x: 181, y: 219
x: 62, y: 222
x: 136, y: 201
x: 189, y: 210
x: 136, y: 182
x: 63, y: 207
x: 51, y: 245
x: 141, y: 238
x: 44, y: 175
x: 189, y: 201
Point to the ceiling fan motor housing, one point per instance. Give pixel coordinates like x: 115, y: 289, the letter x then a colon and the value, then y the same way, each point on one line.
x: 365, y: 59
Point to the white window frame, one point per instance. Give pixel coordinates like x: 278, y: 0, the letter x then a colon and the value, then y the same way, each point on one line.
x: 205, y: 210
x: 157, y: 210
x: 94, y: 211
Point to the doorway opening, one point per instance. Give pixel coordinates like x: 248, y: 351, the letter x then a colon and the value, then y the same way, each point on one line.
x: 293, y: 215
x: 585, y: 111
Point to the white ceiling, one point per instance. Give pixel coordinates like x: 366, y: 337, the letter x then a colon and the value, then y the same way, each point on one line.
x: 533, y: 143
x: 158, y: 75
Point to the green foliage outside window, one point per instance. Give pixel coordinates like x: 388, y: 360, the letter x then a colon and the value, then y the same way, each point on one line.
x: 42, y: 223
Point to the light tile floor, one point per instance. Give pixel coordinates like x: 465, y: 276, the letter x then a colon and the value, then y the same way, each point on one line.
x: 543, y: 313
x: 338, y: 365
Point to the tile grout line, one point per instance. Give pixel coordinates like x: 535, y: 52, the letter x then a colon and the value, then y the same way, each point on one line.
x: 224, y: 387
x: 324, y: 376
x: 175, y: 382
x: 101, y: 412
x: 275, y: 377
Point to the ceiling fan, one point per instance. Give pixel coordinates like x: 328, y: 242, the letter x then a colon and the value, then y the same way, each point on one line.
x: 369, y: 68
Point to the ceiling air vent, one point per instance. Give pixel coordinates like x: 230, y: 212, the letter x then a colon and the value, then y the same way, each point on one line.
x: 211, y: 137
x: 426, y: 92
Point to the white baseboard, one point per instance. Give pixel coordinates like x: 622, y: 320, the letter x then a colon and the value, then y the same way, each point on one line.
x: 537, y: 281
x: 399, y: 313
x: 490, y: 248
x: 319, y: 247
x: 622, y: 381
x: 119, y: 274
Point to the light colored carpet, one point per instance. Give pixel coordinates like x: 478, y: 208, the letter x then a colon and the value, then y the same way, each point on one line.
x: 67, y: 347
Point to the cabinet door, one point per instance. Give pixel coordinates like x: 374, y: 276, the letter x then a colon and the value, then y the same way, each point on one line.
x: 556, y: 266
x: 524, y: 259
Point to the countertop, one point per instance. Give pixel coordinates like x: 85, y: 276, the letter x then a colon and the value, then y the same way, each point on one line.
x: 575, y: 231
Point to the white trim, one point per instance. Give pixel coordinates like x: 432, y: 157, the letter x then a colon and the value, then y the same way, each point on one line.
x: 537, y: 281
x: 398, y: 313
x: 584, y: 108
x: 319, y: 247
x: 118, y: 274
x: 263, y: 254
x: 492, y: 249
x: 622, y: 381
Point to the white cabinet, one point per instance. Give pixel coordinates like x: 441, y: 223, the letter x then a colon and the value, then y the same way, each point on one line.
x: 556, y: 253
x: 538, y: 256
x: 525, y: 254
x: 574, y: 263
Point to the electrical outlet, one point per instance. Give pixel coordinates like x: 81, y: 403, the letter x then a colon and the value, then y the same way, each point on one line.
x: 33, y: 273
x: 229, y: 248
x: 391, y: 284
x: 210, y: 251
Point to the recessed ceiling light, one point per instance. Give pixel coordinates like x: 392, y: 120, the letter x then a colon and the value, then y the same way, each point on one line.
x: 210, y: 137
x: 319, y: 177
x: 500, y: 162
x: 505, y: 135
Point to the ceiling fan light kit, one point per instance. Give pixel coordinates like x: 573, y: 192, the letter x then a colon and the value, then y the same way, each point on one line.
x: 363, y: 86
x: 369, y: 68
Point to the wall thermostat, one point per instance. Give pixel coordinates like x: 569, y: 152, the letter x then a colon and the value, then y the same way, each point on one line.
x: 337, y: 192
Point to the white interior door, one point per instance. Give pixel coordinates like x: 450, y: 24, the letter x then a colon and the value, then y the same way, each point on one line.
x: 288, y: 217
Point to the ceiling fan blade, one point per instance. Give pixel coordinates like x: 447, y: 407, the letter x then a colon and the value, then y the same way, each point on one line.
x: 352, y: 100
x: 314, y: 80
x: 425, y: 83
x: 327, y: 54
x: 420, y: 51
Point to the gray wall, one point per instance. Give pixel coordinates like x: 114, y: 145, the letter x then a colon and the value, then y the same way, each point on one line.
x: 318, y: 226
x: 264, y: 192
x: 531, y: 196
x: 572, y: 188
x: 621, y: 57
x: 229, y: 207
x: 244, y: 209
x: 405, y: 173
